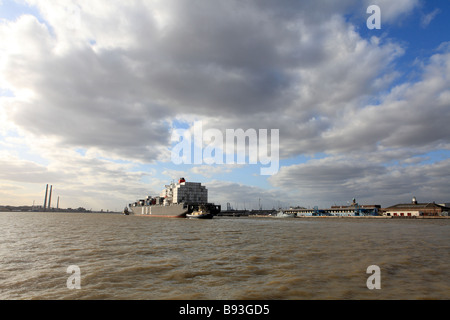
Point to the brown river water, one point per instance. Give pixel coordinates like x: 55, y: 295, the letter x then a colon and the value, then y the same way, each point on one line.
x: 130, y: 257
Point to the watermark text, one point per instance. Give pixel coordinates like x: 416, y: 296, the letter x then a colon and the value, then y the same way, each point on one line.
x: 374, y: 281
x: 198, y: 146
x: 74, y: 280
x: 374, y: 21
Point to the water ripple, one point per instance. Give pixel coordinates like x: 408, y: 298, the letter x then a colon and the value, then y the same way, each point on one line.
x: 127, y: 257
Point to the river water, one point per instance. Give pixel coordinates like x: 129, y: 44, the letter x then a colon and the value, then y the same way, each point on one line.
x: 130, y: 257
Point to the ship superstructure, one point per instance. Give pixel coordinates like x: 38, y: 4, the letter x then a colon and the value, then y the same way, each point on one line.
x: 175, y: 201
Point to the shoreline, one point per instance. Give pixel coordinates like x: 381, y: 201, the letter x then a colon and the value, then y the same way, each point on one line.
x: 352, y: 217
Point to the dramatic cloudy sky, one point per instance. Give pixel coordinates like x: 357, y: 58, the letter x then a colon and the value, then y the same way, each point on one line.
x: 91, y: 92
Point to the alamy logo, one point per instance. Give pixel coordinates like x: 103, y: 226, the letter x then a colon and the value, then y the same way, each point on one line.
x: 74, y: 280
x: 374, y: 21
x: 374, y: 281
x: 190, y: 147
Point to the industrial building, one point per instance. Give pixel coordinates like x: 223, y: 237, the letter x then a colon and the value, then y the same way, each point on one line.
x: 353, y: 209
x: 415, y: 209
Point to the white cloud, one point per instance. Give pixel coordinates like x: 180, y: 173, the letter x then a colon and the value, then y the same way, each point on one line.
x: 336, y: 180
x: 246, y: 70
x: 394, y: 11
x: 412, y: 115
x: 210, y: 171
x: 13, y: 168
x: 242, y: 196
x: 427, y: 18
x: 79, y: 179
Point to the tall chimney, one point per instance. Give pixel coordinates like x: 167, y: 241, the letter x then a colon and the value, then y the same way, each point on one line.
x: 50, y: 198
x: 57, y: 205
x: 45, y: 201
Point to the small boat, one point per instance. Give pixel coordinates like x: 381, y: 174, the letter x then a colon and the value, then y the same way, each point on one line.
x: 282, y: 214
x: 201, y: 213
x: 126, y: 212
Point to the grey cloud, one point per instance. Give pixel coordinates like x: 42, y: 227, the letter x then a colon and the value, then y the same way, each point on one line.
x: 412, y: 115
x: 93, y: 182
x: 296, y: 66
x: 90, y: 100
x: 335, y: 180
x: 240, y: 196
x: 17, y: 170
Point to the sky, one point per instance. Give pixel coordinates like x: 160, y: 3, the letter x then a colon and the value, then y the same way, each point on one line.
x: 93, y: 92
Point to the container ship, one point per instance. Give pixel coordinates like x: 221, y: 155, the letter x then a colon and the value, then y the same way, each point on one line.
x: 177, y: 200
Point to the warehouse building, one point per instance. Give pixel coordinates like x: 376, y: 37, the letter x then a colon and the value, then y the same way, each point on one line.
x: 415, y: 209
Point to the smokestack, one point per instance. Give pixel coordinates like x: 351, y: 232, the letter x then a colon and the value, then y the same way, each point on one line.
x: 50, y: 198
x: 45, y: 201
x: 57, y: 205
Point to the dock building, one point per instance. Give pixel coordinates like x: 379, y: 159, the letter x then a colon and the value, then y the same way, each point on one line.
x: 354, y: 209
x: 415, y: 209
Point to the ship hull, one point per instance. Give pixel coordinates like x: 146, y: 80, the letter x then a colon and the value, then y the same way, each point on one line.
x: 170, y: 211
x: 200, y: 216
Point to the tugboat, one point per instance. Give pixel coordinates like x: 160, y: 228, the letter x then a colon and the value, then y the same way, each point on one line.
x: 201, y: 213
x: 282, y: 214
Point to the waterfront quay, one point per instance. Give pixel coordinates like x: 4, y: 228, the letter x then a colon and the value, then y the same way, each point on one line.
x: 318, y: 217
x: 429, y: 210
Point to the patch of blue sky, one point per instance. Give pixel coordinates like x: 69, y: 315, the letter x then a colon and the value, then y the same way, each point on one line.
x: 12, y: 132
x: 118, y: 161
x: 164, y: 172
x: 418, y: 36
x: 207, y: 172
x: 431, y: 157
x: 223, y: 171
x: 81, y: 151
x: 434, y: 156
x: 11, y: 10
x: 138, y: 167
x: 304, y: 158
x: 6, y: 93
x: 21, y: 151
x: 178, y: 124
x: 25, y: 154
x: 251, y: 172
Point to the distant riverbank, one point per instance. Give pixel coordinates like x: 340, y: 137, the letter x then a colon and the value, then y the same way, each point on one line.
x: 344, y: 217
